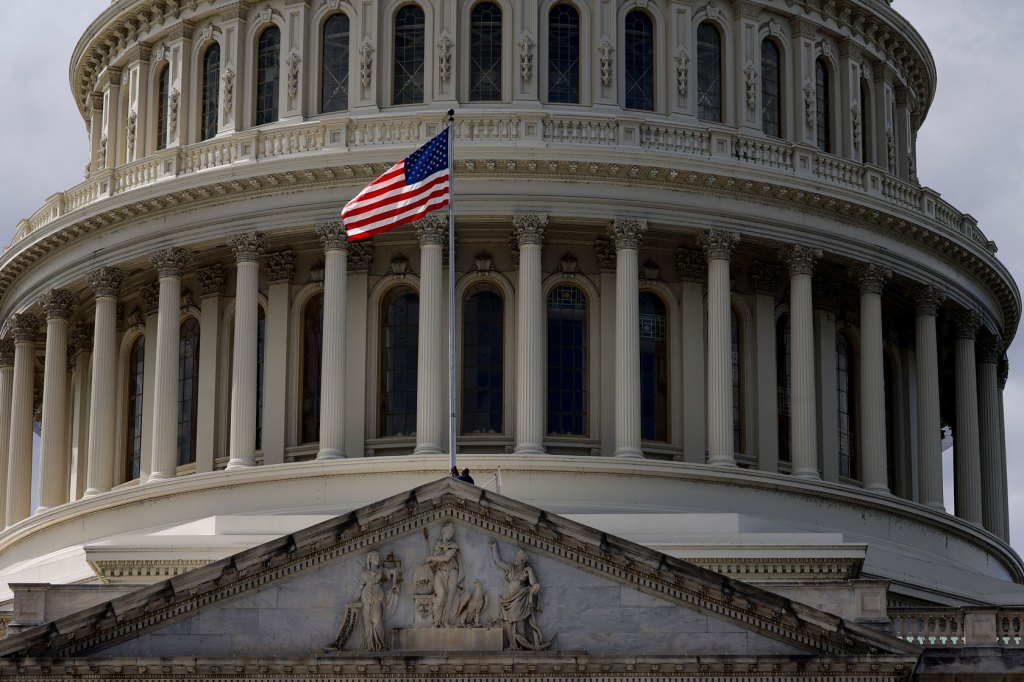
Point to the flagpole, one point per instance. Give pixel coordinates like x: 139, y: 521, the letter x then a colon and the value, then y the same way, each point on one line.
x: 452, y: 395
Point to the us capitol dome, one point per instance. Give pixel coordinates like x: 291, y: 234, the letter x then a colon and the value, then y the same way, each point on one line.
x: 703, y: 303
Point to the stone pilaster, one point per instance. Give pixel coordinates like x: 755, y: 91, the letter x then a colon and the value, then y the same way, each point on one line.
x: 627, y: 234
x: 213, y: 414
x: 529, y: 429
x: 24, y: 327
x: 765, y: 280
x: 332, y: 375
x: 6, y: 406
x: 279, y: 267
x: 871, y: 279
x: 826, y: 305
x: 718, y: 247
x: 691, y: 267
x: 106, y: 285
x: 966, y: 442
x: 432, y: 232
x: 927, y: 300
x: 990, y: 352
x: 54, y: 464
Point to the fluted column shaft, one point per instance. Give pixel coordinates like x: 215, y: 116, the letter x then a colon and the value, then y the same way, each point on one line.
x: 6, y: 395
x: 929, y: 424
x: 529, y: 231
x: 170, y: 264
x: 332, y: 385
x: 430, y: 403
x: 966, y: 445
x: 989, y: 438
x: 54, y: 462
x: 803, y: 405
x: 718, y: 248
x: 19, y: 449
x: 248, y: 249
x: 871, y: 389
x: 626, y: 235
x: 106, y: 284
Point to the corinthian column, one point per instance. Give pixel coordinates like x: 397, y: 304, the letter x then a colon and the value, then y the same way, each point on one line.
x: 927, y: 300
x: 803, y: 405
x: 990, y: 351
x: 626, y: 236
x: 718, y: 247
x: 170, y: 264
x: 19, y: 449
x: 529, y: 234
x: 432, y: 232
x: 872, y: 278
x: 966, y: 446
x: 332, y: 383
x: 54, y: 463
x: 106, y: 285
x: 6, y: 388
x: 248, y: 249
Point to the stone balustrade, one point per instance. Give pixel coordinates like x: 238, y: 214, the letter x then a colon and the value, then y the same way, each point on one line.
x: 959, y: 627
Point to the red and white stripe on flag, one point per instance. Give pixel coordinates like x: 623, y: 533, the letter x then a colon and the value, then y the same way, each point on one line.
x: 408, y: 191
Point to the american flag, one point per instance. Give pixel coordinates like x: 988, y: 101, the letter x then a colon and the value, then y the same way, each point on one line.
x: 406, y: 192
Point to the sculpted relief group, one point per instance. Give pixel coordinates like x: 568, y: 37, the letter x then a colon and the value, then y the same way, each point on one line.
x: 452, y: 609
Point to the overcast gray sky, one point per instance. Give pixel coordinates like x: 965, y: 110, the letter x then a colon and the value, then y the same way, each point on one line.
x: 970, y: 148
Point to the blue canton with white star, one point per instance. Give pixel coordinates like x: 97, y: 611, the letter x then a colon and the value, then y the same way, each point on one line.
x: 427, y: 160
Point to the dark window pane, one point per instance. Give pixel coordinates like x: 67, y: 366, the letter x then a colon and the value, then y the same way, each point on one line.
x: 564, y: 55
x: 784, y: 379
x: 188, y: 390
x: 133, y: 437
x: 709, y: 73
x: 409, y: 55
x: 824, y: 120
x: 844, y: 407
x: 653, y: 368
x: 312, y: 357
x: 639, y: 61
x: 268, y: 75
x: 485, y: 53
x: 334, y: 76
x: 866, y: 152
x: 482, y: 361
x: 399, y: 361
x: 210, y: 92
x: 567, y: 361
x: 162, y: 87
x: 771, y: 89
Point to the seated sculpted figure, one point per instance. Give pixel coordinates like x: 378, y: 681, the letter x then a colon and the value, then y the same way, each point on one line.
x: 519, y: 602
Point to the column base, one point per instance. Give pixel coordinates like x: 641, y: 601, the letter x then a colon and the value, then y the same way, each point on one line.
x: 809, y: 474
x: 936, y: 507
x: 92, y: 492
x: 156, y: 478
x: 528, y: 449
x: 425, y: 449
x: 878, y: 489
x: 628, y: 453
x: 239, y: 464
x: 330, y: 453
x: 724, y: 461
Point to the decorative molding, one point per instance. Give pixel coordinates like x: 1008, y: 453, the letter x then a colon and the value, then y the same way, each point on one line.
x: 526, y: 45
x: 627, y: 233
x: 229, y: 89
x: 650, y: 271
x: 529, y: 228
x: 765, y: 278
x: 682, y: 58
x: 825, y: 294
x: 855, y: 122
x: 366, y: 51
x: 58, y: 304
x: 399, y: 266
x: 718, y: 244
x: 188, y: 303
x: 444, y: 57
x: 926, y: 298
x: 212, y: 280
x: 171, y: 262
x: 607, y: 60
x: 6, y: 352
x: 23, y: 327
x: 691, y: 265
x: 810, y: 106
x: 871, y: 277
x: 604, y: 252
x: 132, y: 124
x: 150, y: 295
x: 106, y: 281
x: 172, y: 122
x: 293, y: 61
x: 332, y: 235
x: 966, y: 324
x: 568, y: 265
x: 750, y: 80
x: 432, y: 229
x: 279, y: 266
x: 248, y: 247
x: 360, y: 255
x: 800, y: 259
x: 80, y: 339
x: 890, y: 148
x: 483, y: 263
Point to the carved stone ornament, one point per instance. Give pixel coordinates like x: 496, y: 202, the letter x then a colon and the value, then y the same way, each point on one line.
x: 360, y: 255
x: 990, y: 350
x: 529, y: 228
x: 682, y: 70
x: 171, y: 262
x: 717, y: 244
x: 294, y: 60
x: 750, y: 79
x: 825, y: 294
x: 150, y: 298
x: 568, y: 265
x: 132, y: 121
x: 966, y: 323
x: 172, y: 119
x: 57, y: 304
x: 136, y: 320
x: 80, y: 340
x: 332, y: 235
x: 399, y: 265
x: 765, y: 278
x: 856, y: 123
x: 1003, y: 372
x: 627, y: 233
x: 871, y: 277
x: 106, y: 281
x: 483, y: 263
x: 102, y: 154
x: 366, y: 51
x: 212, y: 280
x: 229, y: 89
x: 518, y: 602
x: 432, y: 229
x: 6, y: 352
x: 444, y: 57
x: 248, y: 247
x: 607, y: 60
x: 374, y: 603
x: 650, y: 271
x: 316, y: 273
x: 810, y: 114
x: 279, y: 266
x: 926, y: 298
x: 526, y: 45
x: 23, y: 327
x: 800, y: 259
x: 890, y: 146
x: 188, y: 303
x: 604, y: 252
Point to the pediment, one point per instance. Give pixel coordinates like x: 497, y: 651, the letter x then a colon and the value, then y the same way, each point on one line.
x: 450, y: 568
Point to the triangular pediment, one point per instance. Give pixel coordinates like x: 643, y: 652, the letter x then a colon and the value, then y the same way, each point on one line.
x: 450, y: 568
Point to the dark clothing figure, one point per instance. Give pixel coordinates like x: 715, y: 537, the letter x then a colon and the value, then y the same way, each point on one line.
x: 464, y: 476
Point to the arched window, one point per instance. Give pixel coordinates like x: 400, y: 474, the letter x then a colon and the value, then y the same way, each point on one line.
x: 867, y: 153
x: 822, y: 98
x: 844, y: 407
x: 784, y: 379
x: 653, y: 367
x: 188, y: 389
x: 399, y: 361
x: 639, y: 61
x: 312, y: 356
x: 709, y: 73
x: 261, y: 359
x: 268, y: 74
x: 334, y: 64
x: 211, y: 92
x: 133, y: 436
x: 485, y: 53
x: 162, y: 88
x: 410, y: 44
x: 737, y: 383
x: 771, y: 89
x: 483, y: 345
x: 567, y: 361
x: 564, y: 54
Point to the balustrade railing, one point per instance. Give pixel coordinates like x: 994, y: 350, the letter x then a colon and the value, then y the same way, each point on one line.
x: 956, y: 627
x: 209, y: 154
x: 763, y: 153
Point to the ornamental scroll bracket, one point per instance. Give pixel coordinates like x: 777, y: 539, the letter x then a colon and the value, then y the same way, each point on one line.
x: 526, y: 45
x: 607, y: 59
x: 366, y: 51
x: 682, y: 58
x: 444, y: 57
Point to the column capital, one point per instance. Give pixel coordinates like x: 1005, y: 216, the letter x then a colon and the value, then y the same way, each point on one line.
x: 764, y: 278
x: 871, y: 277
x: 332, y: 235
x: 57, y: 304
x: 690, y: 264
x: 800, y: 259
x: 279, y: 266
x: 360, y: 255
x: 1002, y: 371
x: 718, y: 244
x: 990, y: 350
x: 604, y: 253
x: 966, y: 323
x: 171, y: 262
x: 825, y: 294
x: 24, y: 327
x: 80, y: 339
x: 926, y: 298
x: 529, y: 228
x: 627, y: 233
x: 6, y: 352
x: 433, y: 229
x: 150, y: 297
x: 106, y: 281
x: 248, y: 247
x: 211, y: 281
